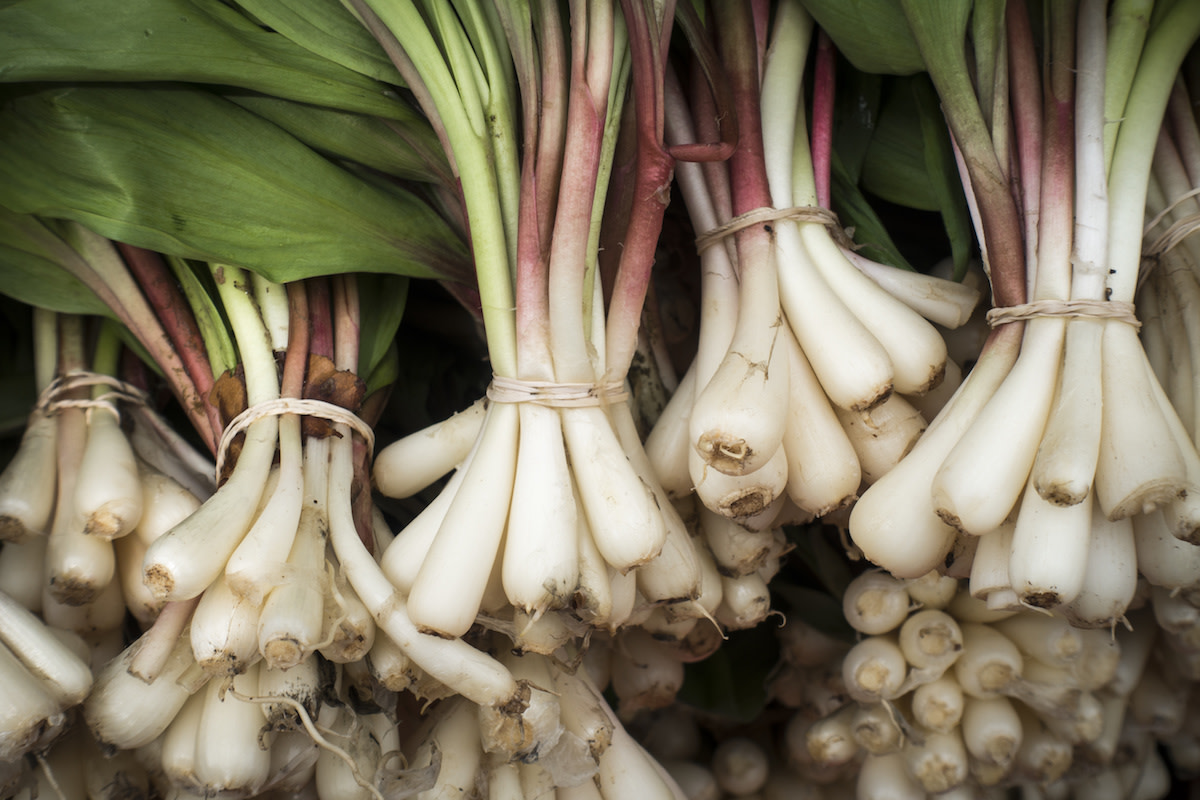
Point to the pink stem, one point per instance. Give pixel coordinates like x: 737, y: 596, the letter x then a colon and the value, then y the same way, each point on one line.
x: 824, y: 87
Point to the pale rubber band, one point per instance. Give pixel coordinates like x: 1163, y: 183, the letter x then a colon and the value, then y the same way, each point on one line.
x: 290, y: 405
x: 759, y: 216
x: 555, y: 395
x: 51, y: 401
x: 1171, y: 237
x: 1097, y: 309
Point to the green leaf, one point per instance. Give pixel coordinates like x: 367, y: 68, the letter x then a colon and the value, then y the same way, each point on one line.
x: 405, y: 147
x: 184, y: 172
x: 872, y: 34
x: 198, y: 41
x: 195, y: 282
x: 944, y: 180
x: 895, y: 164
x: 381, y: 301
x: 856, y: 113
x: 327, y: 28
x: 31, y: 267
x: 855, y: 212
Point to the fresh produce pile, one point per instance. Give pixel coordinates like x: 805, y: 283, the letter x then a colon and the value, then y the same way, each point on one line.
x: 476, y: 398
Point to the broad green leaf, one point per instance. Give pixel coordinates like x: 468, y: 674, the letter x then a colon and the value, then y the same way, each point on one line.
x: 405, y: 147
x: 943, y: 174
x: 198, y: 41
x: 872, y: 34
x: 855, y: 212
x: 381, y: 301
x: 327, y: 28
x: 32, y: 259
x: 894, y: 167
x: 856, y: 113
x: 184, y: 172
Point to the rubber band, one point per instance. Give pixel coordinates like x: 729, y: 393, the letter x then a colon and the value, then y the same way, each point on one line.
x: 1096, y: 309
x: 766, y: 214
x: 555, y: 395
x: 51, y: 400
x: 280, y: 406
x: 1171, y: 237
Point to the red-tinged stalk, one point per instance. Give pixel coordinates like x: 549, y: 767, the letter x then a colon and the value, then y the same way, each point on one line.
x: 649, y: 35
x: 101, y: 269
x: 179, y: 323
x: 824, y: 88
x: 983, y: 476
x: 1066, y: 462
x: 737, y: 419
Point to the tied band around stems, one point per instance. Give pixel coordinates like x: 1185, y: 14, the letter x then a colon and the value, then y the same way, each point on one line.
x: 555, y: 395
x: 1097, y: 309
x: 290, y: 405
x: 51, y: 400
x: 765, y: 214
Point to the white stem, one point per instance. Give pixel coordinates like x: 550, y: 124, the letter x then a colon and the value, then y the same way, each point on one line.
x: 408, y: 465
x: 930, y: 640
x: 646, y: 673
x: 27, y: 485
x: 875, y: 730
x: 1110, y: 576
x: 992, y: 730
x: 667, y: 444
x: 476, y: 675
x: 830, y: 740
x: 989, y: 663
x: 541, y: 556
x: 144, y: 606
x: 938, y: 705
x: 621, y: 509
x: 23, y: 571
x: 823, y: 467
x: 349, y: 627
x: 874, y: 669
x: 224, y: 630
x: 28, y: 712
x: 740, y: 497
x: 107, y: 490
x: 65, y: 675
x: 229, y: 756
x: 1140, y: 462
x: 448, y: 590
x: 186, y: 559
x: 886, y: 777
x: 165, y: 503
x: 745, y: 601
x: 982, y: 477
x: 291, y: 620
x: 1164, y: 559
x: 989, y: 566
x: 940, y: 300
x: 124, y: 712
x: 254, y: 566
x: 940, y: 763
x: 883, y: 435
x: 875, y: 602
x: 740, y: 766
x: 894, y: 522
x: 1048, y: 562
x: 915, y: 348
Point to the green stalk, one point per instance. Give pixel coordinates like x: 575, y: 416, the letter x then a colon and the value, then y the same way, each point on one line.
x: 1128, y: 24
x: 254, y: 344
x: 1162, y: 57
x: 939, y: 28
x: 460, y: 108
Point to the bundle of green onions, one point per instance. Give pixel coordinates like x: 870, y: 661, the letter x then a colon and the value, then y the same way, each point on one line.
x: 217, y: 209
